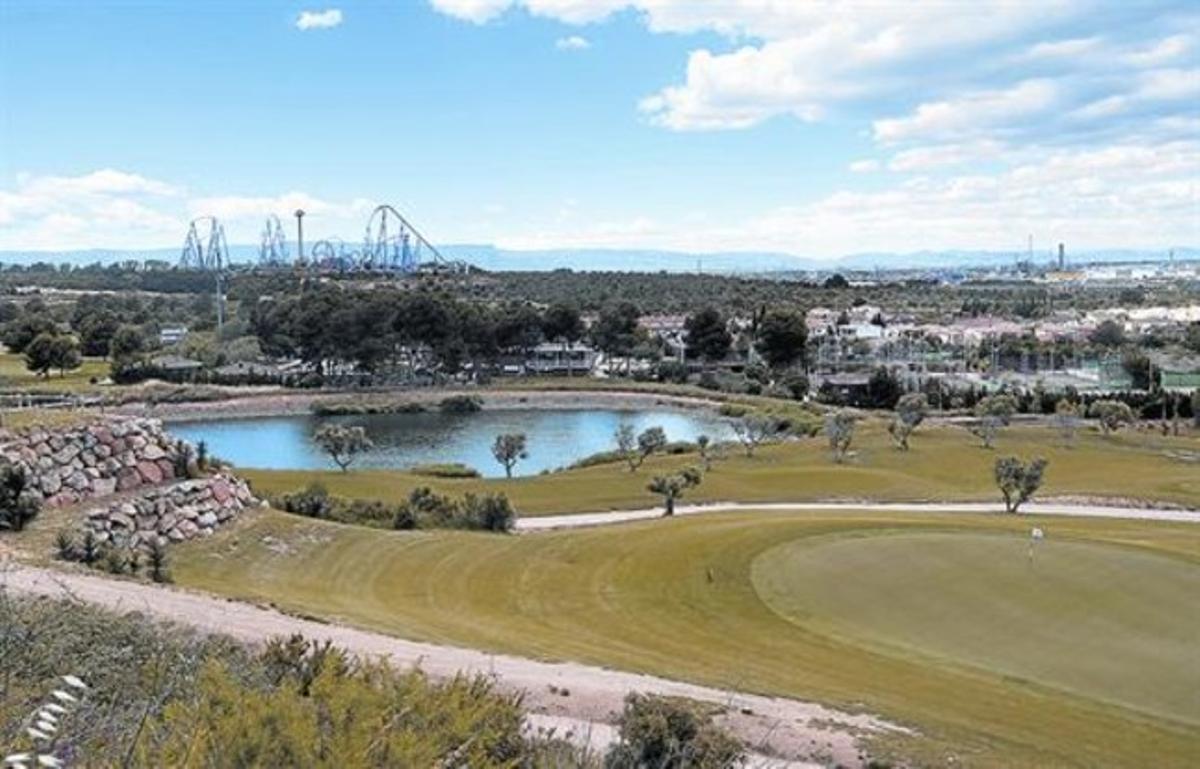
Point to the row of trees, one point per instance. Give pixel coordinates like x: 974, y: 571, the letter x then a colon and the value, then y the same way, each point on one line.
x: 386, y: 329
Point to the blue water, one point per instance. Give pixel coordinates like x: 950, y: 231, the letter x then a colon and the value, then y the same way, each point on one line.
x: 555, y: 438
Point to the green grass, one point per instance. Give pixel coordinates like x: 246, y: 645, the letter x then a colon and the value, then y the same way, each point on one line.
x: 732, y: 600
x: 14, y: 375
x: 989, y: 601
x: 944, y: 464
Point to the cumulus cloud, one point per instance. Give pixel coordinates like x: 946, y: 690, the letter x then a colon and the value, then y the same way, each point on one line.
x: 476, y: 11
x: 105, y: 208
x: 1128, y: 195
x: 572, y: 43
x: 327, y: 19
x: 970, y: 112
x: 117, y: 209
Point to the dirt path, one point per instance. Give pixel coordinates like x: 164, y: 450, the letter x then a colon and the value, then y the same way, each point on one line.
x: 568, y: 697
x: 571, y: 520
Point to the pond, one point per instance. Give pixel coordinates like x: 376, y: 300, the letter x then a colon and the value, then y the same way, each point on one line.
x: 556, y: 438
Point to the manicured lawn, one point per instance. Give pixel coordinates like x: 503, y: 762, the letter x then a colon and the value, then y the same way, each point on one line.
x: 1086, y: 658
x: 14, y: 374
x: 945, y: 463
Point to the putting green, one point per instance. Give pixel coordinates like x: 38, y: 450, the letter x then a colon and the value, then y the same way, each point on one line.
x: 1107, y: 622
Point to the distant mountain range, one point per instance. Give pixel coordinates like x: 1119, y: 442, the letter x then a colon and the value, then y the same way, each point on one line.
x: 491, y: 258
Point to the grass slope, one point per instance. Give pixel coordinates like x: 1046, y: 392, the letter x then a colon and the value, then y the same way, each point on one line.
x: 684, y: 598
x: 945, y: 463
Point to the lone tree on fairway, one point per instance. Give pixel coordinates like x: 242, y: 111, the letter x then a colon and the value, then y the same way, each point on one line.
x: 839, y: 429
x: 992, y: 413
x: 508, y: 449
x: 671, y: 487
x: 343, y: 444
x: 1112, y: 415
x: 1066, y: 418
x: 754, y: 429
x: 635, y: 449
x: 18, y: 506
x: 1018, y: 481
x: 910, y: 412
x: 704, y: 447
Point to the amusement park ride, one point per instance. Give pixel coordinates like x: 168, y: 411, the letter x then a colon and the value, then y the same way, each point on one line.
x: 390, y: 245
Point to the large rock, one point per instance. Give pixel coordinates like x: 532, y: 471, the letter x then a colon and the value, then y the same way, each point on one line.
x: 149, y: 471
x: 128, y: 478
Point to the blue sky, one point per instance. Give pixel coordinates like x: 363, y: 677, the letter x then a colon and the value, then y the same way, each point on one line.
x: 818, y: 128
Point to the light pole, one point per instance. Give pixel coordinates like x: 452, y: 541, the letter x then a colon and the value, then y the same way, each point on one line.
x: 300, y: 233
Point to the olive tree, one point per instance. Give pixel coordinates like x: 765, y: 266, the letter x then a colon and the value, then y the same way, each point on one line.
x: 992, y: 414
x: 1018, y: 480
x: 1066, y: 418
x: 635, y: 448
x: 839, y: 429
x: 508, y: 449
x: 671, y: 487
x: 343, y: 444
x: 911, y: 410
x: 753, y: 430
x: 1111, y: 415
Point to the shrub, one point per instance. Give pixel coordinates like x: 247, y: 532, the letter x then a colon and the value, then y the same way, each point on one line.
x: 18, y: 504
x: 732, y: 410
x: 1111, y: 415
x: 667, y: 733
x: 671, y: 371
x: 460, y: 404
x: 312, y: 502
x: 487, y: 512
x: 64, y: 545
x: 161, y: 695
x: 445, y: 470
x: 156, y: 559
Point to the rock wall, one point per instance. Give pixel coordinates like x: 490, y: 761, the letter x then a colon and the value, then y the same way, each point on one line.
x: 96, y: 459
x: 171, y: 513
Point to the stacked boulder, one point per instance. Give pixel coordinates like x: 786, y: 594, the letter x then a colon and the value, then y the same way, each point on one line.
x: 104, y: 456
x: 171, y: 513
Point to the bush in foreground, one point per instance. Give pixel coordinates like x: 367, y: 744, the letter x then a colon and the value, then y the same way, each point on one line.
x: 666, y: 733
x: 159, y: 695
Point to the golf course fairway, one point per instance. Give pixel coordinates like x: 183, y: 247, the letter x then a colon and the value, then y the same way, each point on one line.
x: 1088, y: 656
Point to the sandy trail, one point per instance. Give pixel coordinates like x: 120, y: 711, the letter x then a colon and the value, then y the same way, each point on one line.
x: 568, y: 697
x: 571, y: 520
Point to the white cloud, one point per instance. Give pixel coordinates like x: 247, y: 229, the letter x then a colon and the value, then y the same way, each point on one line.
x: 864, y: 166
x: 327, y: 19
x: 1062, y: 48
x: 1124, y: 196
x: 572, y: 43
x: 1161, y: 52
x: 476, y: 11
x: 944, y: 155
x: 969, y: 113
x: 106, y: 208
x: 117, y: 209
